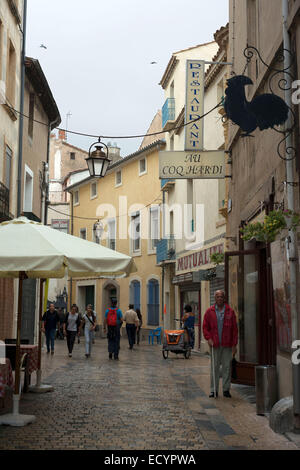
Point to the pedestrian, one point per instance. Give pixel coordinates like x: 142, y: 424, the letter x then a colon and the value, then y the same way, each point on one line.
x: 96, y: 329
x: 72, y: 327
x: 189, y: 325
x: 112, y: 323
x: 132, y: 322
x: 221, y: 332
x: 89, y: 324
x: 138, y: 330
x: 50, y: 323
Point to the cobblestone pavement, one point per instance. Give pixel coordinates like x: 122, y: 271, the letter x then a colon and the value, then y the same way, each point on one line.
x: 139, y: 402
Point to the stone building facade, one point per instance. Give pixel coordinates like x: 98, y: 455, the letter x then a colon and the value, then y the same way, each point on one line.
x: 258, y: 274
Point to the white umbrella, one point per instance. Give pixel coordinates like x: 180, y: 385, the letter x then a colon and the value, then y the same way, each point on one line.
x: 32, y: 250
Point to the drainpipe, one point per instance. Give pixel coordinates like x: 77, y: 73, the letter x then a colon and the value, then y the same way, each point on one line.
x: 21, y: 119
x: 290, y: 200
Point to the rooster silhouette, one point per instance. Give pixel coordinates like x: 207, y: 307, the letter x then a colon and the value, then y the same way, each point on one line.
x: 264, y: 111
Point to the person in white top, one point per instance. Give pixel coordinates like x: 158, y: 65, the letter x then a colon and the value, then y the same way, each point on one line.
x: 90, y: 322
x: 132, y: 322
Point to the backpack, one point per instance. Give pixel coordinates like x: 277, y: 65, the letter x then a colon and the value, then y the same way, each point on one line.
x: 112, y: 317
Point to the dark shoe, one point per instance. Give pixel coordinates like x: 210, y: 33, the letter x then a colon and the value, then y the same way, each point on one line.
x: 48, y: 352
x: 226, y: 394
x: 52, y: 352
x: 212, y: 395
x: 110, y: 356
x: 87, y: 355
x: 116, y: 358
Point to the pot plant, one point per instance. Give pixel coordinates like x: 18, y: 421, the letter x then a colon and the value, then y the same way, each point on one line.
x: 274, y: 223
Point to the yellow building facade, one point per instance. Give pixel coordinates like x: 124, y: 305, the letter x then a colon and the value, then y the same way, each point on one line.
x: 127, y: 201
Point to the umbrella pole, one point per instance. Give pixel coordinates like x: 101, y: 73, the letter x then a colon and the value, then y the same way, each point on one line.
x: 15, y: 418
x: 39, y: 387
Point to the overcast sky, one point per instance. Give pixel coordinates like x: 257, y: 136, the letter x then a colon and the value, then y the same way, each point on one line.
x: 98, y: 55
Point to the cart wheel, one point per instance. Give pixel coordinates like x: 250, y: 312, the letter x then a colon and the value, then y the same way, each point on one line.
x: 165, y: 354
x: 187, y: 354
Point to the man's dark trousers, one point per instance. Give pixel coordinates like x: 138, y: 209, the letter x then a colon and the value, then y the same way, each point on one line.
x: 113, y: 336
x: 131, y: 328
x: 50, y: 337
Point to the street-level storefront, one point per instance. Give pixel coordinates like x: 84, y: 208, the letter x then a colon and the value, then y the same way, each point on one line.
x: 249, y: 291
x: 197, y: 280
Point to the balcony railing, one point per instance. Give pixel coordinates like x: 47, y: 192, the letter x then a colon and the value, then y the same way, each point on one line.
x: 4, y: 203
x: 167, y: 184
x: 168, y: 113
x: 166, y: 250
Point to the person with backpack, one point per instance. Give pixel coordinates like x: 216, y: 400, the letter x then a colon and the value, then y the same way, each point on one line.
x: 89, y: 323
x: 72, y: 327
x: 112, y: 323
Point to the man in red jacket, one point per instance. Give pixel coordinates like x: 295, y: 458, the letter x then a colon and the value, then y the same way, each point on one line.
x: 221, y: 332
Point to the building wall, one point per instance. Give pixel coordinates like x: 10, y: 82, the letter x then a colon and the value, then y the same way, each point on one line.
x: 135, y: 190
x: 9, y: 132
x: 35, y: 150
x: 205, y: 192
x: 255, y: 160
x: 9, y: 120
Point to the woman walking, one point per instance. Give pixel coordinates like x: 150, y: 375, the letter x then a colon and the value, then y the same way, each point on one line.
x: 72, y: 327
x: 138, y: 330
x: 89, y: 323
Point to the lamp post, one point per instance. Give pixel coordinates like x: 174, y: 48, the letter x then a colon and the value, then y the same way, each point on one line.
x: 98, y: 160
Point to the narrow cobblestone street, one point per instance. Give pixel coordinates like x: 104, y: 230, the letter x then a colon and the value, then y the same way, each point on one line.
x: 139, y: 402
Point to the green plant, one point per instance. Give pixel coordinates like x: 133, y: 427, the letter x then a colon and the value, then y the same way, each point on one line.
x: 217, y: 258
x: 274, y: 222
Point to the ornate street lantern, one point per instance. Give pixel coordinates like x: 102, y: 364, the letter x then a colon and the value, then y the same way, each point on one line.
x: 98, y: 160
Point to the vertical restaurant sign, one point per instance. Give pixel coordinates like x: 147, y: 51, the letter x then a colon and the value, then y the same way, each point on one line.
x: 194, y: 105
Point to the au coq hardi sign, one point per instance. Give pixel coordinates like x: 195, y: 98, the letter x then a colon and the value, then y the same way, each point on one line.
x: 186, y: 165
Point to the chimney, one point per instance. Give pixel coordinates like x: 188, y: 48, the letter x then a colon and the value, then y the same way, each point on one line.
x: 61, y: 134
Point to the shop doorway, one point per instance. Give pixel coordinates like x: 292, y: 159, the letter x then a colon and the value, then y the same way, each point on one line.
x: 248, y: 287
x: 192, y: 296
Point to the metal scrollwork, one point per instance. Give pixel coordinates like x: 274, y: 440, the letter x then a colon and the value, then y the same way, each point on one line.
x: 283, y: 84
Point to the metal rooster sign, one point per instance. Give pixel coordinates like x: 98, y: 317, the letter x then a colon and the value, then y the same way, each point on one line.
x: 264, y: 111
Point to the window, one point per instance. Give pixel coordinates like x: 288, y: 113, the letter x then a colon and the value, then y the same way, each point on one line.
x: 111, y: 236
x: 153, y: 227
x: 135, y: 294
x: 72, y: 155
x: 8, y: 164
x: 153, y: 302
x: 83, y: 233
x: 118, y: 178
x: 28, y: 189
x: 31, y: 115
x: 136, y: 232
x: 76, y: 197
x: 11, y: 73
x: 142, y: 166
x: 94, y: 190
